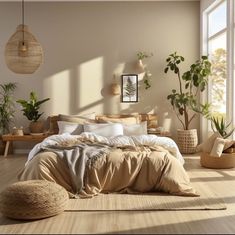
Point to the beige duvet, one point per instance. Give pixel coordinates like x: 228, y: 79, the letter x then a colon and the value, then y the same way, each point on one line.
x: 122, y: 170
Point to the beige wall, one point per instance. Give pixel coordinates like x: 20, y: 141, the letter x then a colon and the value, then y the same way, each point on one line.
x: 85, y: 43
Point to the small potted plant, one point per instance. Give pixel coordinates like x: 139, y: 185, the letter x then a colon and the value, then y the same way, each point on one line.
x: 31, y: 111
x: 185, y: 101
x: 141, y: 68
x: 218, y: 124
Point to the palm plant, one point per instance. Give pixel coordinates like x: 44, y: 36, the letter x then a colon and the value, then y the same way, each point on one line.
x: 6, y: 106
x: 219, y: 124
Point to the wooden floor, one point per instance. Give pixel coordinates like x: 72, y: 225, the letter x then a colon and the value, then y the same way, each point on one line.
x: 191, y: 222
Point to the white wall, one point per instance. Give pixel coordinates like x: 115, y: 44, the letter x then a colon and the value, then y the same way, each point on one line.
x: 85, y: 43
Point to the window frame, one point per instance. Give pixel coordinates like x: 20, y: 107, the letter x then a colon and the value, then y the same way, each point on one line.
x: 230, y: 84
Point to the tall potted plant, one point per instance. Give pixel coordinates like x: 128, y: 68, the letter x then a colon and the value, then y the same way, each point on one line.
x: 31, y: 111
x: 185, y: 100
x: 6, y: 110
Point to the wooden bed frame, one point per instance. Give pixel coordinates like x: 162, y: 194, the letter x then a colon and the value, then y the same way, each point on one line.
x: 150, y: 118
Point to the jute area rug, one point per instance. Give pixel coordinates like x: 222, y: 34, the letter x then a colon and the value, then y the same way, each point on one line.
x: 208, y: 200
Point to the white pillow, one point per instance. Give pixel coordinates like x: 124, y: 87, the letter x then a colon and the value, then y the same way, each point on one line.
x: 218, y: 147
x: 135, y: 129
x: 105, y: 129
x: 70, y: 127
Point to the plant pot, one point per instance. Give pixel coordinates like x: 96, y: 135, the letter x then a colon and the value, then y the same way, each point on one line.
x: 36, y: 127
x: 187, y: 140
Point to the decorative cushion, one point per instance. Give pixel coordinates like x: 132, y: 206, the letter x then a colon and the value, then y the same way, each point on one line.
x: 105, y: 129
x: 124, y: 119
x: 86, y: 118
x: 218, y: 147
x: 135, y: 129
x: 33, y: 199
x: 208, y: 144
x: 70, y: 127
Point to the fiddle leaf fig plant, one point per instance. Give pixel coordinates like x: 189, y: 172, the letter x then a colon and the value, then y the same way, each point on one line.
x: 185, y: 101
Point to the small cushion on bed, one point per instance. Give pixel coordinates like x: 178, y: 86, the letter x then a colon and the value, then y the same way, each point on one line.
x: 33, y: 199
x: 86, y: 118
x: 132, y: 119
x: 135, y: 129
x: 105, y: 129
x: 70, y: 127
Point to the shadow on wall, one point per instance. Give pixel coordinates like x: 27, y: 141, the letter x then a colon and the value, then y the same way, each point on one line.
x: 85, y: 88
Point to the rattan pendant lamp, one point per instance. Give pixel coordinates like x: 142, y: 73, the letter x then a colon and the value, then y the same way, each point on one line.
x: 23, y: 53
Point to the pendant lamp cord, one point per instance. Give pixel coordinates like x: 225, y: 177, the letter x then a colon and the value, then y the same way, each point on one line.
x: 22, y: 5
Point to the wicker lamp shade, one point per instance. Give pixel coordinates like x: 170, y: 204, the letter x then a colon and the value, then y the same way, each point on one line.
x: 23, y: 55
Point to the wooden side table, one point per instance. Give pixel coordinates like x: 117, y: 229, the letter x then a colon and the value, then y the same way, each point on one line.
x: 161, y: 134
x: 10, y: 138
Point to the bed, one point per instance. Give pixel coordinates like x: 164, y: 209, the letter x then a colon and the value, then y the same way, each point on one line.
x: 108, y: 154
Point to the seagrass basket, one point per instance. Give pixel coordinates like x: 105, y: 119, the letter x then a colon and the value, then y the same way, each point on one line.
x: 225, y: 161
x: 187, y: 140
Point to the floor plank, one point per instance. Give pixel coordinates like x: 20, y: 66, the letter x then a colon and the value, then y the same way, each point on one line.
x: 169, y: 222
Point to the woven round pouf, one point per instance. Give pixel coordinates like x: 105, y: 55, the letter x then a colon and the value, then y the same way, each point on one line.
x: 33, y: 199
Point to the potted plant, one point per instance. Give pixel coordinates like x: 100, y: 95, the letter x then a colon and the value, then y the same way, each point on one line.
x: 6, y: 110
x: 31, y: 111
x: 218, y: 124
x: 185, y: 101
x: 143, y: 68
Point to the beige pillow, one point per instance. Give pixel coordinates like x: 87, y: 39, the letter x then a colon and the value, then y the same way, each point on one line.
x: 123, y: 120
x: 218, y: 147
x: 86, y: 118
x: 228, y: 143
x: 208, y: 144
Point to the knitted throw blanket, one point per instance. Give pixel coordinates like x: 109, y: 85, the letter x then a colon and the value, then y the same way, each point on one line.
x: 77, y: 157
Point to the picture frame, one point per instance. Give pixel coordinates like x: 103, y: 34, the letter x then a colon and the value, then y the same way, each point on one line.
x: 129, y: 88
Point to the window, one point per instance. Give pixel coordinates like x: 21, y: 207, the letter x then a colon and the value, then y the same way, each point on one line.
x: 217, y: 51
x: 218, y: 41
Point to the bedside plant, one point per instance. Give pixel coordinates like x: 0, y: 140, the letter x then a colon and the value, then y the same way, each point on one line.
x: 31, y: 111
x: 185, y: 101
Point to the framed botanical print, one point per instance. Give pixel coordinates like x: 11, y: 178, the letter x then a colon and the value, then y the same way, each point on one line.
x: 129, y: 88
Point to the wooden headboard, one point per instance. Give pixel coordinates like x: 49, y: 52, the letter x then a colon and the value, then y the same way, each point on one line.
x: 150, y: 118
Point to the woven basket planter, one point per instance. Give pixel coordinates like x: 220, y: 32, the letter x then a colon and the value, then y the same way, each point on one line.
x: 23, y: 59
x: 187, y: 140
x: 36, y: 127
x: 225, y: 161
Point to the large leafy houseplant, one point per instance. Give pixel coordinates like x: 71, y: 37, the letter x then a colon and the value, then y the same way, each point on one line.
x: 185, y: 101
x: 7, y: 107
x: 31, y: 111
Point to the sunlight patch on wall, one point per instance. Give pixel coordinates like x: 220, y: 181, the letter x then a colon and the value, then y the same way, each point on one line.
x: 91, y: 84
x: 56, y: 87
